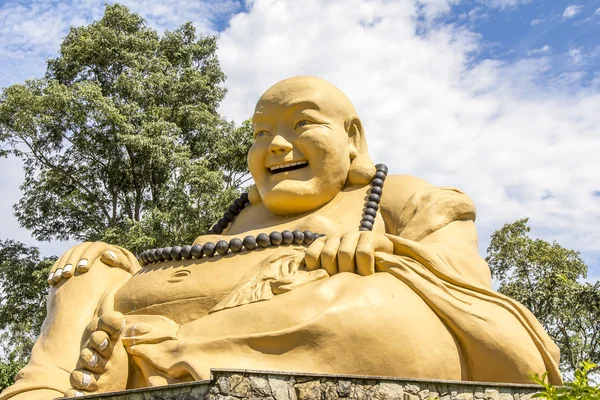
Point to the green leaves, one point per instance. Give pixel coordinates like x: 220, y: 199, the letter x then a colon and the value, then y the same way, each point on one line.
x: 577, y: 389
x: 121, y: 140
x: 545, y: 277
x: 23, y: 291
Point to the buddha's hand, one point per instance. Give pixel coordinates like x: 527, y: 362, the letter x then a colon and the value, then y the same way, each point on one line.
x: 103, y: 363
x: 79, y: 259
x: 352, y: 252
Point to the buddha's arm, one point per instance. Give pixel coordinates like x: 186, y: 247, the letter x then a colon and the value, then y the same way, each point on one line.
x: 73, y: 302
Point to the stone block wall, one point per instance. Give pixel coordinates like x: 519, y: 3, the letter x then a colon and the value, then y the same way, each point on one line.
x: 271, y: 385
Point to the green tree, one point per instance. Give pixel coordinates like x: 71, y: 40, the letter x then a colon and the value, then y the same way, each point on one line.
x: 23, y: 291
x: 545, y: 277
x: 121, y: 140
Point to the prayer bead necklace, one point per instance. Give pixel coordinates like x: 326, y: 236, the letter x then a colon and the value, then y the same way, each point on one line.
x: 262, y: 240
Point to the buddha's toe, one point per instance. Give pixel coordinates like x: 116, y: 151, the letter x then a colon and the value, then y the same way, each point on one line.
x: 83, y: 380
x: 112, y: 323
x: 101, y: 343
x: 74, y: 393
x: 92, y: 361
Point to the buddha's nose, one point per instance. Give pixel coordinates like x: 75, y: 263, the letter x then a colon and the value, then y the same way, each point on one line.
x: 280, y: 145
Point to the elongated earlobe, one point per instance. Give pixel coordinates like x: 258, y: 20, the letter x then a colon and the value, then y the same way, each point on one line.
x: 253, y: 195
x: 362, y: 168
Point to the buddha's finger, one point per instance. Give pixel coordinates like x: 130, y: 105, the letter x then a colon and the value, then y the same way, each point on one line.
x: 329, y: 255
x: 91, y: 361
x: 347, y: 252
x: 55, y: 275
x: 365, y: 256
x: 312, y: 257
x: 101, y: 343
x: 117, y: 259
x: 86, y: 258
x: 112, y: 323
x: 70, y: 266
x: 83, y: 380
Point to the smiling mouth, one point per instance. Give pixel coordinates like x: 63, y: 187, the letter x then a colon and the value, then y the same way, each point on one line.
x: 286, y: 167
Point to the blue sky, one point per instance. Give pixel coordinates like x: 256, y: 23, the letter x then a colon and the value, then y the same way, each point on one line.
x: 561, y: 30
x: 499, y: 98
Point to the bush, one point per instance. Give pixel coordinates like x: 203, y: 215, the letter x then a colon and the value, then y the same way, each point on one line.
x: 579, y: 389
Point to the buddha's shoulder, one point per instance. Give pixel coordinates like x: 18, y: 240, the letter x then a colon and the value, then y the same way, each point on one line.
x: 396, y: 192
x: 400, y: 184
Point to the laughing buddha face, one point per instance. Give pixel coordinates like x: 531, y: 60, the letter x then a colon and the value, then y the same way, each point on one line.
x: 306, y: 134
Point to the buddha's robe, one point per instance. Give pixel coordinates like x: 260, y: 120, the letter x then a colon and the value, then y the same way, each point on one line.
x: 428, y: 312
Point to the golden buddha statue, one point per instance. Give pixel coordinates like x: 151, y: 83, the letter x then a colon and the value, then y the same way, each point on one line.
x: 328, y: 265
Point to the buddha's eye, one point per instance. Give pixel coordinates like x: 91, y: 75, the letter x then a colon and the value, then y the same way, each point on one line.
x: 261, y: 133
x: 301, y: 123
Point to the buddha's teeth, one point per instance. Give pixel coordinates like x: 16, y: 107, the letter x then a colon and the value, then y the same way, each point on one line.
x: 287, y: 165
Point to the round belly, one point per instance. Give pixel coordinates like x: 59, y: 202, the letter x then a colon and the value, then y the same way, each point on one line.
x: 186, y: 290
x: 348, y: 324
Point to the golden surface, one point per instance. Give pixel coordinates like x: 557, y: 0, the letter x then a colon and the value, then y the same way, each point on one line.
x: 413, y: 298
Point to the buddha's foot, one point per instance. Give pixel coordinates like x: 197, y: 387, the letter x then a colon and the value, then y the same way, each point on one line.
x: 103, y: 364
x: 79, y: 259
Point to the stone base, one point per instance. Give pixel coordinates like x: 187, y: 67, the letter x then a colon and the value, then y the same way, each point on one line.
x: 228, y: 384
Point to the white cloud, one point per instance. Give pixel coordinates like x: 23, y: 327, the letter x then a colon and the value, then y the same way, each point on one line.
x: 537, y: 21
x: 518, y: 147
x: 31, y: 31
x: 545, y: 49
x: 504, y: 3
x: 576, y: 56
x: 572, y: 11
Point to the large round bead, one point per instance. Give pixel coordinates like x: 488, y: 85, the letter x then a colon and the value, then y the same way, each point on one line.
x: 217, y: 228
x: 249, y: 242
x: 158, y: 255
x: 197, y: 251
x: 288, y: 237
x: 276, y: 238
x: 262, y: 239
x: 166, y: 254
x: 380, y: 175
x: 377, y: 190
x: 377, y: 182
x: 235, y: 210
x: 223, y: 222
x: 208, y: 249
x: 229, y: 216
x: 240, y: 203
x: 150, y: 256
x: 236, y: 245
x: 382, y: 167
x: 366, y: 224
x: 298, y: 237
x: 373, y: 205
x: 374, y: 197
x: 309, y: 237
x: 222, y: 247
x: 369, y: 218
x: 244, y: 197
x: 370, y: 212
x: 186, y: 252
x: 176, y: 253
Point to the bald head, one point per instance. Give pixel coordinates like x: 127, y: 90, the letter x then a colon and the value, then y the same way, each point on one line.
x: 325, y: 96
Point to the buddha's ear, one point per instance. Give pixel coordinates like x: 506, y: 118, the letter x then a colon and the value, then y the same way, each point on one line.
x: 253, y: 195
x: 362, y: 169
